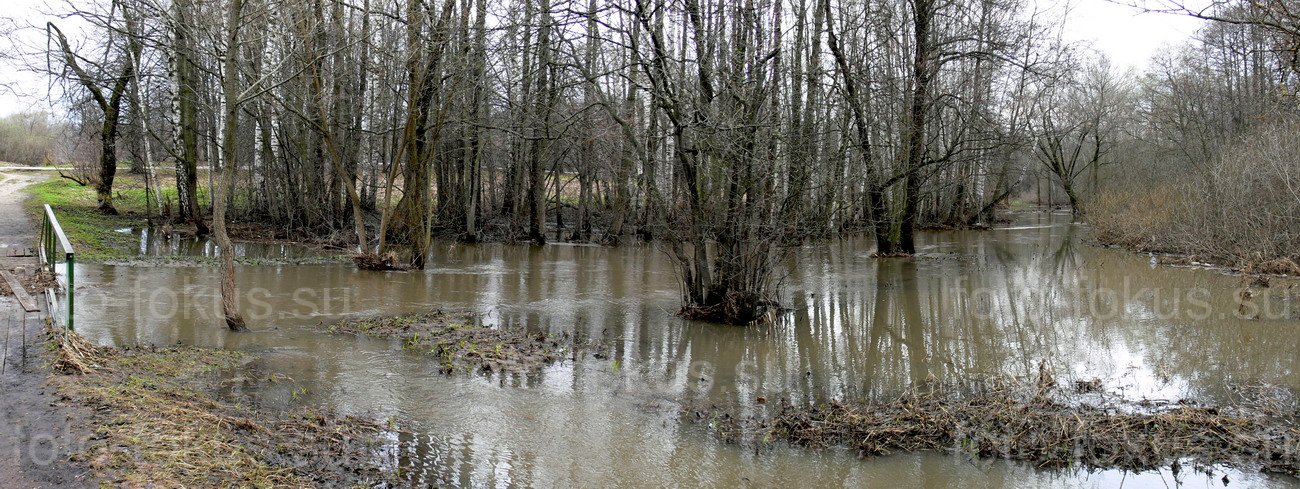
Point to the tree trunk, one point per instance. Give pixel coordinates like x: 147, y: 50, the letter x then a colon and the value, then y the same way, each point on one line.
x: 923, y: 15
x: 1076, y: 205
x: 107, y: 162
x: 541, y: 130
x: 230, y: 95
x: 186, y: 122
x: 474, y: 160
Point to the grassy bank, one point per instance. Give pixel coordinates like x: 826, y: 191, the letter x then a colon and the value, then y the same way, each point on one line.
x: 96, y: 236
x: 93, y: 234
x: 156, y: 423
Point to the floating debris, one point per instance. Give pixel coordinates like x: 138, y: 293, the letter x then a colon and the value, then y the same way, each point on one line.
x: 1046, y: 426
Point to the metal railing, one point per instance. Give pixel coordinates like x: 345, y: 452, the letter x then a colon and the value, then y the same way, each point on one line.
x: 52, y: 239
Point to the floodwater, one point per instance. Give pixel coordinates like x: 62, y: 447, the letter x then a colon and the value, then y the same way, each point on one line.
x: 975, y: 303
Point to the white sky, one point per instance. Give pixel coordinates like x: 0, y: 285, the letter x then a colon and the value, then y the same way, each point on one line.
x: 30, y: 87
x: 1128, y: 36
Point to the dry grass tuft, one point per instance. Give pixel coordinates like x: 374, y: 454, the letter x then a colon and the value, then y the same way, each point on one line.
x: 1280, y: 266
x: 75, y: 354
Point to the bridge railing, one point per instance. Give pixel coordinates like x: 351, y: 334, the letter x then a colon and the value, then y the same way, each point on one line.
x: 53, y: 243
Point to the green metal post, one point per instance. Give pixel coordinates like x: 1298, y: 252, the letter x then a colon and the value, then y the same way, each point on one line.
x: 71, y: 260
x: 47, y: 243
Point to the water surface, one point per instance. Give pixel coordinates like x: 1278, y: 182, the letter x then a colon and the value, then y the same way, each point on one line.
x: 996, y: 302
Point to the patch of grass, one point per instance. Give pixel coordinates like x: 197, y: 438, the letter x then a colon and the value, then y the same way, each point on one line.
x: 155, y: 425
x: 93, y: 234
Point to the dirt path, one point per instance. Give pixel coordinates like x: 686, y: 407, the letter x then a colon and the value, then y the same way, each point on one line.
x: 36, y: 435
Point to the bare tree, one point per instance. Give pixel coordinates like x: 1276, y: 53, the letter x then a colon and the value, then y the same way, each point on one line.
x: 106, y: 81
x: 1077, y: 123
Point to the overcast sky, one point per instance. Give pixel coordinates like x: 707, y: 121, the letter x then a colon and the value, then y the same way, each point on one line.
x: 1128, y: 36
x: 18, y: 12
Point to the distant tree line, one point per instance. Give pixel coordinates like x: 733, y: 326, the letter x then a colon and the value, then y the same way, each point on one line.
x: 30, y: 138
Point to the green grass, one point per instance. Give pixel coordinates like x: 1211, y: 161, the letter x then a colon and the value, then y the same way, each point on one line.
x: 93, y: 234
x: 1018, y: 204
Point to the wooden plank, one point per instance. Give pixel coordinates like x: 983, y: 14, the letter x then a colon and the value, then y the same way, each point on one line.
x: 19, y: 292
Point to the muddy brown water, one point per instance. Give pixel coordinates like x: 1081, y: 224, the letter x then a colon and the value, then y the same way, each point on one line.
x: 993, y: 302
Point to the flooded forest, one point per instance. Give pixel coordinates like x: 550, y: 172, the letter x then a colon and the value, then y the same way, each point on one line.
x: 661, y: 243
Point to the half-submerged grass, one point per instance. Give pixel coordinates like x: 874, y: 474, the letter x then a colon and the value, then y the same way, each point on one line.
x: 1043, y: 424
x: 155, y: 425
x: 458, y: 344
